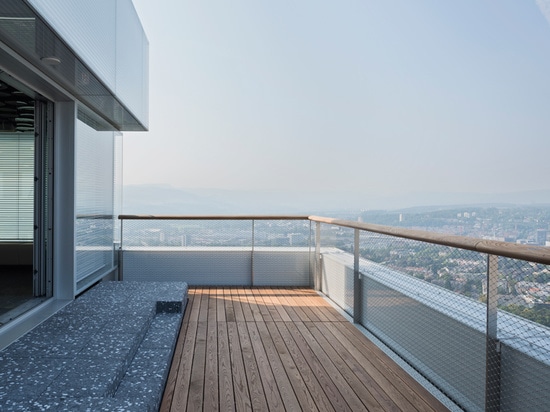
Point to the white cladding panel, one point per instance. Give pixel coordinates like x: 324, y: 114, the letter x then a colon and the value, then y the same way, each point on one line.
x: 107, y: 35
x: 132, y: 61
x: 337, y: 279
x: 89, y: 28
x: 219, y: 266
x: 196, y: 267
x: 282, y: 267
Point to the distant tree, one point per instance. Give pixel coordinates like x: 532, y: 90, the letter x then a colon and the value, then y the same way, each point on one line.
x: 539, y: 314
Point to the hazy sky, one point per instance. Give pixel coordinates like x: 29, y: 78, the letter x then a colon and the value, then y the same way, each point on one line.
x: 380, y: 97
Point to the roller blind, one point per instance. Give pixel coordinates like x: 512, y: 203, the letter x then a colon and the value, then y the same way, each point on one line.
x: 16, y: 186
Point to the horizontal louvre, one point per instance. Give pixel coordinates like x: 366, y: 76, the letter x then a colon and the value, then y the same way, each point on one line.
x: 16, y: 186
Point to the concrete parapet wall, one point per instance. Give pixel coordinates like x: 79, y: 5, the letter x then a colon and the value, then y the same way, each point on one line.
x: 220, y: 266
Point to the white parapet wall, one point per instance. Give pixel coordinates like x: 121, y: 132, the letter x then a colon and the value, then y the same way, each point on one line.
x: 220, y: 266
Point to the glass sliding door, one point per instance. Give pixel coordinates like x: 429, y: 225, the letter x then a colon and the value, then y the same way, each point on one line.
x: 24, y: 200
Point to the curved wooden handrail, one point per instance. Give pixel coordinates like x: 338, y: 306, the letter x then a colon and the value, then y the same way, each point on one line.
x: 539, y: 254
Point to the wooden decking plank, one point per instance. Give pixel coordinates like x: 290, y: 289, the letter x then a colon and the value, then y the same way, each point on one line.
x: 271, y: 391
x: 337, y: 376
x: 262, y: 305
x: 310, y: 379
x: 411, y: 389
x: 178, y: 350
x: 211, y: 401
x: 337, y: 353
x: 196, y: 384
x: 329, y: 311
x: 227, y: 399
x: 196, y: 304
x: 229, y: 304
x: 254, y: 308
x: 281, y: 305
x: 293, y: 301
x: 385, y: 401
x: 316, y: 306
x: 330, y: 314
x: 282, y: 315
x: 287, y: 306
x: 220, y: 305
x: 376, y: 369
x: 309, y: 308
x: 240, y: 384
x: 269, y: 298
x: 245, y: 305
x: 288, y: 396
x: 203, y: 313
x: 181, y: 391
x: 211, y: 305
x: 252, y: 372
x: 298, y: 384
x: 179, y: 401
x: 333, y: 394
x: 237, y: 307
x: 305, y: 302
x: 267, y: 295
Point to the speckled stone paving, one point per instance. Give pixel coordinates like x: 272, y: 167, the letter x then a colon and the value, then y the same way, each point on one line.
x: 109, y: 350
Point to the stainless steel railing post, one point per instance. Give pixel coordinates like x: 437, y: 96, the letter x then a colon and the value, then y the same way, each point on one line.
x: 252, y: 257
x: 357, y: 286
x: 120, y: 254
x: 492, y: 351
x: 318, y: 269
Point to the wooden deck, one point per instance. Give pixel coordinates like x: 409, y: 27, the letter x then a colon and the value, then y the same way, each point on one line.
x: 281, y: 349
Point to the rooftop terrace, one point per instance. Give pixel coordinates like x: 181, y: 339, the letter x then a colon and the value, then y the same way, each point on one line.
x: 290, y: 313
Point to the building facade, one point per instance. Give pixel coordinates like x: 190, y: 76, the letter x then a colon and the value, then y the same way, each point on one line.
x: 73, y: 77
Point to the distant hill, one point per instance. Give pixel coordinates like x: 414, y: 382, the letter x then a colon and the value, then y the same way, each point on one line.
x: 162, y: 199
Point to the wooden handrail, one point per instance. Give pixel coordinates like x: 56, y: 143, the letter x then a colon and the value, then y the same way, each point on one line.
x: 213, y: 217
x: 531, y: 253
x: 538, y: 254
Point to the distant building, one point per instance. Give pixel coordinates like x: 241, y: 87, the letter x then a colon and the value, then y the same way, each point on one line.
x: 541, y: 237
x: 295, y: 239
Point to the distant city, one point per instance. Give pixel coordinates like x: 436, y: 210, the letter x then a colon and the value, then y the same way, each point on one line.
x: 524, y: 288
x: 517, y: 224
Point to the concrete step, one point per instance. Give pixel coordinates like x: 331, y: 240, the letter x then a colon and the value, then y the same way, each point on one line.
x: 111, y: 346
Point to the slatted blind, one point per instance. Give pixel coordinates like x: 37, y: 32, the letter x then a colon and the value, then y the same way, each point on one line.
x: 16, y: 186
